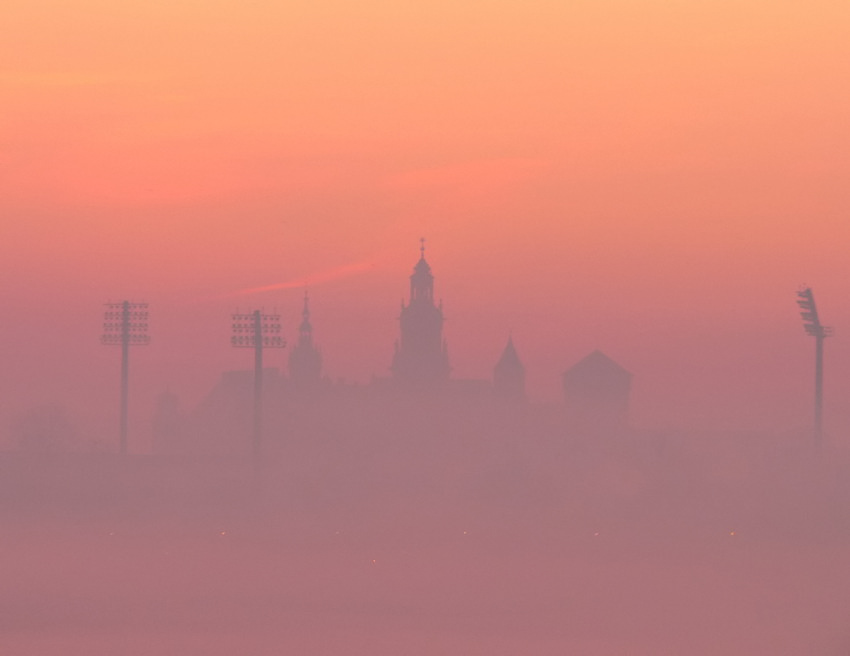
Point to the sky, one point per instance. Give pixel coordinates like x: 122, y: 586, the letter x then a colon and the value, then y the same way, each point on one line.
x: 653, y: 178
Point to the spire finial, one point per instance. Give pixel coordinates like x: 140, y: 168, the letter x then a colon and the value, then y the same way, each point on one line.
x: 306, y: 311
x: 422, y: 247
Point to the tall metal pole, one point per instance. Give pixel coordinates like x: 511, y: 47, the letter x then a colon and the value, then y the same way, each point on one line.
x: 258, y: 387
x: 259, y: 331
x: 125, y: 324
x: 814, y: 328
x: 125, y: 372
x: 819, y: 389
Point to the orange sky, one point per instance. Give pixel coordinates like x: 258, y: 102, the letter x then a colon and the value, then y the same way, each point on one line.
x: 651, y: 177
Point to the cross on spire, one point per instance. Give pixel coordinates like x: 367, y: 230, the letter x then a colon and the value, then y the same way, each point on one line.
x: 422, y: 247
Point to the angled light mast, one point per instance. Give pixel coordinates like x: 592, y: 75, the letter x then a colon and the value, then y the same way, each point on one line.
x: 814, y: 328
x: 125, y: 324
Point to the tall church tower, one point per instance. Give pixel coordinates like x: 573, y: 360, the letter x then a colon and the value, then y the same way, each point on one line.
x: 305, y: 360
x: 421, y: 360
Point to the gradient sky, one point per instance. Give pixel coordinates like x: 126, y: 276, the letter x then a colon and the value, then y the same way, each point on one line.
x: 654, y: 178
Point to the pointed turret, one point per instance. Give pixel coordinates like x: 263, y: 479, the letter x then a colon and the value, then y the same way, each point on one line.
x: 305, y: 360
x: 305, y: 330
x: 509, y: 375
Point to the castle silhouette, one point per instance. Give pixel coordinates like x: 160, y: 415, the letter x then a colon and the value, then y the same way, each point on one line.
x: 596, y: 389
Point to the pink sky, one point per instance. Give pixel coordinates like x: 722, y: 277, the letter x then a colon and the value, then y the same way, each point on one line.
x: 651, y: 178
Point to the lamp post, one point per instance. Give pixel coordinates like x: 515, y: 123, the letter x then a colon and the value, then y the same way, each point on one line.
x: 814, y: 328
x: 125, y: 324
x: 258, y: 331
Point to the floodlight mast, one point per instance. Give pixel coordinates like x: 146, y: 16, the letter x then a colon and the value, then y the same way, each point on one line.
x: 814, y: 328
x: 125, y: 324
x: 259, y: 331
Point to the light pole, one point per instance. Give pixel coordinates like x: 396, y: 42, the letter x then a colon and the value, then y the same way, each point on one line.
x: 814, y: 328
x: 125, y: 324
x: 258, y: 331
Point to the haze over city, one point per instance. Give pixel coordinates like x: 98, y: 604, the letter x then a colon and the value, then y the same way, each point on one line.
x: 652, y: 181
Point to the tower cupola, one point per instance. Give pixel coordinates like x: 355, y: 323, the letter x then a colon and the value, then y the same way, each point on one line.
x: 422, y: 280
x: 421, y: 359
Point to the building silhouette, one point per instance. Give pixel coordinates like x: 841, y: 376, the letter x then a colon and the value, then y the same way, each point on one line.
x: 224, y: 417
x: 421, y: 360
x: 509, y: 375
x: 419, y: 400
x: 596, y: 392
x: 305, y: 359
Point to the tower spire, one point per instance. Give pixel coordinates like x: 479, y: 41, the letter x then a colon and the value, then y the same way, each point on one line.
x: 509, y: 374
x: 305, y: 360
x: 421, y: 359
x: 306, y: 328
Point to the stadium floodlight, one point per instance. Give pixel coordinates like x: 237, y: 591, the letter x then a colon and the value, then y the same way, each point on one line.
x: 814, y: 328
x: 125, y: 324
x: 259, y: 331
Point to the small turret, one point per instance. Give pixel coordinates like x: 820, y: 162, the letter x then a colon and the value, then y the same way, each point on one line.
x: 509, y: 375
x: 305, y: 360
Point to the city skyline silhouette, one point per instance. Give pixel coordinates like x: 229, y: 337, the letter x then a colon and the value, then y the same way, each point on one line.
x: 596, y: 413
x: 420, y: 347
